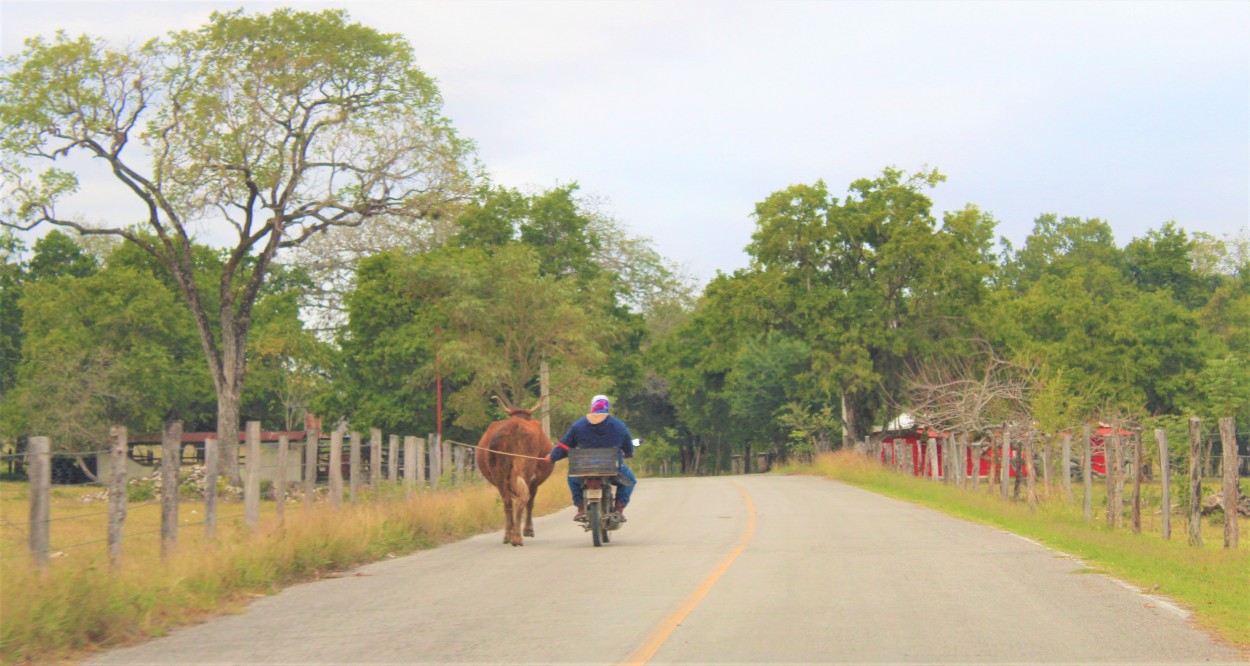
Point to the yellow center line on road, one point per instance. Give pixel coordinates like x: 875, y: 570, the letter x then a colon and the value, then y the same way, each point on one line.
x: 657, y: 639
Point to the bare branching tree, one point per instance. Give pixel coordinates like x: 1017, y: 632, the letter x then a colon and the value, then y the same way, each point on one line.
x: 971, y: 394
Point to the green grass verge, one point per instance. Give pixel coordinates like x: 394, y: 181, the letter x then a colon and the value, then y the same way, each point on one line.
x: 1212, y: 582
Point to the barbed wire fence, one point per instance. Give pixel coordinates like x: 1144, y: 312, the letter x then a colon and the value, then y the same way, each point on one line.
x: 325, y: 469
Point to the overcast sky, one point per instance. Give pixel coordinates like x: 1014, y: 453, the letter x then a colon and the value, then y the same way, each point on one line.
x: 681, y: 116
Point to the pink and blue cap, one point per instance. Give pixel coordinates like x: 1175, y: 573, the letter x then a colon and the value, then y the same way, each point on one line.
x: 600, y: 405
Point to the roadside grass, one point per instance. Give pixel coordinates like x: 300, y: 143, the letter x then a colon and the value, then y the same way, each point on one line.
x: 83, y: 605
x: 1212, y: 582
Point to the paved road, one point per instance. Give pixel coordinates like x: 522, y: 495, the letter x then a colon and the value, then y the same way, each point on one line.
x: 746, y: 569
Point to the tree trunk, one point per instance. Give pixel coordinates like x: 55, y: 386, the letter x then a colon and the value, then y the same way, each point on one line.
x: 228, y: 435
x: 848, y: 423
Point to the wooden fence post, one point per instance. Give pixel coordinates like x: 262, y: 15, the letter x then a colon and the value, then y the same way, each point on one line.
x: 1195, y: 483
x: 392, y: 462
x: 171, y: 458
x: 420, y: 462
x: 1121, y: 457
x: 447, y: 465
x: 1137, y: 480
x: 1111, y: 446
x: 39, y: 469
x: 1088, y: 473
x: 436, y: 460
x: 375, y: 457
x: 212, y: 461
x: 1066, y: 453
x: 117, y: 493
x: 251, y: 486
x: 1005, y: 468
x: 1165, y: 471
x: 311, y: 440
x: 1228, y: 435
x: 1029, y: 469
x: 956, y: 466
x: 974, y: 459
x: 410, y: 463
x: 1046, y: 464
x: 279, y: 482
x: 336, y: 468
x: 353, y: 471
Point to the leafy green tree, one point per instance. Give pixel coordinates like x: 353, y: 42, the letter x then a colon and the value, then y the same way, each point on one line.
x: 697, y: 358
x: 1058, y: 246
x: 384, y: 375
x: 96, y: 351
x: 57, y: 255
x: 1164, y: 260
x: 561, y: 234
x: 505, y: 318
x: 656, y: 451
x: 874, y: 280
x: 12, y: 279
x: 760, y: 385
x: 1118, y: 345
x: 274, y: 126
x: 493, y: 220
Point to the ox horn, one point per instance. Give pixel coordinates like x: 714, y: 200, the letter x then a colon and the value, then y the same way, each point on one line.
x: 538, y: 404
x: 503, y: 405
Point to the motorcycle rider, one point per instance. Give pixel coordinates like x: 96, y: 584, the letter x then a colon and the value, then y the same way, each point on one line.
x: 599, y: 429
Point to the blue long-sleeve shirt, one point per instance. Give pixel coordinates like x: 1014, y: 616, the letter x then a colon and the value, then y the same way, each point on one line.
x: 583, y: 434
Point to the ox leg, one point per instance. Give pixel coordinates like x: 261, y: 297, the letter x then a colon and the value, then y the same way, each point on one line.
x: 529, y: 515
x: 520, y: 498
x: 507, y: 518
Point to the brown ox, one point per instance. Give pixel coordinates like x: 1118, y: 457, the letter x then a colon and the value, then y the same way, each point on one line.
x: 516, y: 477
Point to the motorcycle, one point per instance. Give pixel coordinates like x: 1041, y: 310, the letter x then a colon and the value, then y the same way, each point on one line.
x: 598, y: 469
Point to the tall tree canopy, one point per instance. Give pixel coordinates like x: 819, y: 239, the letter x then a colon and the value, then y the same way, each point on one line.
x: 269, y: 128
x: 873, y: 279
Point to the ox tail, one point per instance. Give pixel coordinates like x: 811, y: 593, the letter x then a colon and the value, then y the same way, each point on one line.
x: 520, y: 487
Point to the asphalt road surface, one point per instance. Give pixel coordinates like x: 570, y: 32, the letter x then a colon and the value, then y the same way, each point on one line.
x: 721, y: 570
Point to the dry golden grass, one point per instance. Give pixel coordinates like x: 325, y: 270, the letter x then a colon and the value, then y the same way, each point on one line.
x: 82, y: 604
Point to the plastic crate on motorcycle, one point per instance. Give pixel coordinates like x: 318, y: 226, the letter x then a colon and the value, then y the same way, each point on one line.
x: 594, y: 462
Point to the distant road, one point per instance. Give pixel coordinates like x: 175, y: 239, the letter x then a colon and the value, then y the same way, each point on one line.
x: 736, y: 569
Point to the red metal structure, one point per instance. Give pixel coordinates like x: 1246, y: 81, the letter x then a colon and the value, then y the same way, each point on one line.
x: 894, y: 441
x: 1098, y: 448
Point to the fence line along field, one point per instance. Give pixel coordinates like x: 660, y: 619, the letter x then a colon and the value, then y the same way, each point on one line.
x: 99, y: 566
x: 1010, y: 463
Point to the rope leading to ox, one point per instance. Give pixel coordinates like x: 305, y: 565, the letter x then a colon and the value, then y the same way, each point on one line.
x: 502, y: 453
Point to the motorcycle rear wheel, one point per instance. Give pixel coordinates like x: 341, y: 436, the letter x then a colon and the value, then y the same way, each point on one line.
x: 607, y: 509
x: 596, y: 524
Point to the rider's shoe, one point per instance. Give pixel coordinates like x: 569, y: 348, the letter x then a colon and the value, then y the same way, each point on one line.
x: 617, y: 516
x: 581, y: 513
